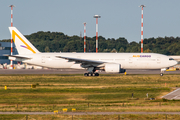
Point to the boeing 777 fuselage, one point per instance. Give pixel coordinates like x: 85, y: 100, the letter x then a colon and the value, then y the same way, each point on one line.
x: 109, y: 62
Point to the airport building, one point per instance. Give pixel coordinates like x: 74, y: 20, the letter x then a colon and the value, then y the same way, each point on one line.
x: 5, y: 49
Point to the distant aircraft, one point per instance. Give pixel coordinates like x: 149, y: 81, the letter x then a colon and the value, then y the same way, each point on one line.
x: 109, y: 62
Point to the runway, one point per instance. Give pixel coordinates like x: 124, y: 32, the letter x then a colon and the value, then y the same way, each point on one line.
x: 41, y: 71
x: 75, y: 71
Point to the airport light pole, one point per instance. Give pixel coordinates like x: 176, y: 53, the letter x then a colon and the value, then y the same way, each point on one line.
x: 97, y: 16
x: 142, y: 6
x: 84, y: 37
x: 11, y: 62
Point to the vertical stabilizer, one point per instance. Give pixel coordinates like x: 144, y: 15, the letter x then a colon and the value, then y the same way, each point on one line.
x: 23, y: 46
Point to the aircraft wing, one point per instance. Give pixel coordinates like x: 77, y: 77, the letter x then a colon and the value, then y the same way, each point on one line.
x: 82, y: 61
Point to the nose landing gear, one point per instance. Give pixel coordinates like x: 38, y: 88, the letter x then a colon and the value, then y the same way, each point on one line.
x: 161, y: 74
x: 162, y: 71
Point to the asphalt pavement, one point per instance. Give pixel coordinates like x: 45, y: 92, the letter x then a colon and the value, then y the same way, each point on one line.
x: 75, y: 71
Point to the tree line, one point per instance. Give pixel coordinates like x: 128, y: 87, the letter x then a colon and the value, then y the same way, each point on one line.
x: 59, y: 42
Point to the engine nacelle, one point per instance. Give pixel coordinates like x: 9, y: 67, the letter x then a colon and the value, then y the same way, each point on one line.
x: 112, y: 67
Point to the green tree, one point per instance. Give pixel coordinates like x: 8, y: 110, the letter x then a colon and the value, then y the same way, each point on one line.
x: 113, y: 51
x: 147, y: 51
x: 58, y: 41
x: 47, y: 49
x: 128, y: 49
x: 121, y: 49
x: 106, y: 50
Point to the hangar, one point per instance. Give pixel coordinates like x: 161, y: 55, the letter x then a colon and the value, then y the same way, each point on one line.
x: 5, y: 48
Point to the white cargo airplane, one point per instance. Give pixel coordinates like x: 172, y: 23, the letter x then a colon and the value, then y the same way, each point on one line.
x: 109, y: 62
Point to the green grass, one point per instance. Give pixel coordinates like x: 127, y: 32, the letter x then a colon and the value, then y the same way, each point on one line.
x: 90, y: 117
x: 103, y: 93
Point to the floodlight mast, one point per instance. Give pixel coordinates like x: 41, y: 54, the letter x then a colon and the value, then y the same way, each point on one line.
x: 142, y: 6
x: 84, y: 37
x: 97, y: 16
x: 11, y: 62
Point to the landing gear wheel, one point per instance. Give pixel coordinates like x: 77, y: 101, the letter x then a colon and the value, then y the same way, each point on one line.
x: 96, y: 74
x: 85, y: 74
x: 90, y: 74
x: 161, y: 74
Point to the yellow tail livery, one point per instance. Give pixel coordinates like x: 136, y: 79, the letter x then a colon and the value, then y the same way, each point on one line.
x: 23, y: 46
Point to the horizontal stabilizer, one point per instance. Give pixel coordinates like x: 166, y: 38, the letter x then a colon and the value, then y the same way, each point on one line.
x: 17, y: 57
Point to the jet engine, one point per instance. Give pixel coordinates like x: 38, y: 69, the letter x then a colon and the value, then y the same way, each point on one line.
x: 113, y: 68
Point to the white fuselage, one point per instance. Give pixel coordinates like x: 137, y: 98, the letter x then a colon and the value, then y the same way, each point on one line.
x: 127, y: 60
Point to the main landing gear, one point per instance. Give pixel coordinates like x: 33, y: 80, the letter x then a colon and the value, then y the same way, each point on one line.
x: 91, y: 74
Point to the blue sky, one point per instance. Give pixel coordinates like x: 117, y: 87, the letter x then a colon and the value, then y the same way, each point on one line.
x: 119, y: 18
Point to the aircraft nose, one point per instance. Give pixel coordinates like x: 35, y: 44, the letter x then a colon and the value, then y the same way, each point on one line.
x: 175, y: 62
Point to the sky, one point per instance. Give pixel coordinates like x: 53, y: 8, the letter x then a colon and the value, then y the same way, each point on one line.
x: 119, y: 18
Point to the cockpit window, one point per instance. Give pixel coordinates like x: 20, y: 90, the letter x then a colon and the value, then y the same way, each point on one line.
x: 171, y: 59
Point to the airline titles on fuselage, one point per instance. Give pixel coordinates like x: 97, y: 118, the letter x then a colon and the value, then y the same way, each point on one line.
x: 147, y: 56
